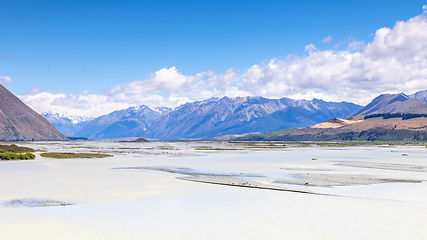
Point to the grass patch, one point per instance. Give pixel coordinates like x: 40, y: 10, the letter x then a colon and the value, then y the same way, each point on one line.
x: 264, y: 136
x: 14, y: 152
x: 13, y: 148
x: 210, y: 148
x: 277, y: 132
x: 17, y: 156
x: 165, y: 148
x: 74, y: 155
x: 262, y: 144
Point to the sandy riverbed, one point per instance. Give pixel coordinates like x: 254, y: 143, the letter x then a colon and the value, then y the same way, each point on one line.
x: 194, y: 190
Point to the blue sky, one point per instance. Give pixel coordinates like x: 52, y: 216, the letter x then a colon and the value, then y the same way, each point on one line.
x: 100, y: 48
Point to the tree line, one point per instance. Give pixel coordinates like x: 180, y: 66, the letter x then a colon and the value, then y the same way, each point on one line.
x: 404, y: 116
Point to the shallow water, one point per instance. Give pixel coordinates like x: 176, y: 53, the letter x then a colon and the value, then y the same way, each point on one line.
x: 130, y: 196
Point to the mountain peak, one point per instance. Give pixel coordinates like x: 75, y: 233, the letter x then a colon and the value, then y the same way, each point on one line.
x: 421, y: 95
x: 161, y: 109
x: 20, y: 122
x: 393, y: 103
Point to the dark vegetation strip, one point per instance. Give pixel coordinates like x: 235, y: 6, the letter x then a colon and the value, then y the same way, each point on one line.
x: 404, y: 116
x: 332, y: 143
x: 374, y: 135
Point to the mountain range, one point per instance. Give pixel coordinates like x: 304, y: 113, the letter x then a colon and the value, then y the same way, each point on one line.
x: 67, y: 125
x: 224, y: 118
x: 210, y: 118
x: 389, y: 117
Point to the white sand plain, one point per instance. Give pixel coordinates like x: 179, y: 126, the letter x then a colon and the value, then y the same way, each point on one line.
x: 142, y: 192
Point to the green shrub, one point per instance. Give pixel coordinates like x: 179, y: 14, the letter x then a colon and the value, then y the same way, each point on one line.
x: 16, y: 156
x: 13, y: 148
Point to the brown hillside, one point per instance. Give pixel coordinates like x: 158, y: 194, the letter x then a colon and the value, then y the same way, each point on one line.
x: 20, y: 122
x: 358, y: 124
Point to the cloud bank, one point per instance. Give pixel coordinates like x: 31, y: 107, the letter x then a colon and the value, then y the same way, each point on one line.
x: 395, y: 61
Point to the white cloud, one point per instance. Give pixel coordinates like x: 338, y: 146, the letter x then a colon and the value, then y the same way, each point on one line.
x: 355, y: 45
x: 395, y: 61
x: 327, y: 39
x: 405, y: 42
x: 310, y: 48
x: 5, y: 80
x: 94, y: 105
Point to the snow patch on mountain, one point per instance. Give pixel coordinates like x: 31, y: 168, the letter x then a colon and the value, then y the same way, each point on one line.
x: 73, y: 119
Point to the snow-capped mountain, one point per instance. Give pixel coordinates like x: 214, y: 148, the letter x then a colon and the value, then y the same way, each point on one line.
x: 73, y: 119
x: 421, y: 95
x: 115, y: 124
x: 214, y: 117
x: 67, y: 125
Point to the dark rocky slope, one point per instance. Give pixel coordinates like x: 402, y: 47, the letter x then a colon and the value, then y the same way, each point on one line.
x: 20, y: 122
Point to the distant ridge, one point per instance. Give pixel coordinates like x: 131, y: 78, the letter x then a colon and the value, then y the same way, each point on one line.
x: 67, y: 125
x: 20, y: 122
x: 121, y: 123
x: 213, y: 118
x: 393, y: 103
x: 421, y: 95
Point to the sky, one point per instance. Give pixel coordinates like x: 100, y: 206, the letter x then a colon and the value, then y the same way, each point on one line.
x: 88, y: 58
